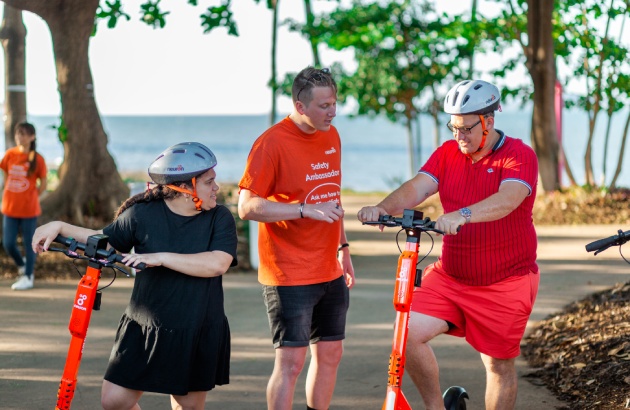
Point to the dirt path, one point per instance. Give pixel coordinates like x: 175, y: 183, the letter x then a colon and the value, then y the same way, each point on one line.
x: 34, y: 336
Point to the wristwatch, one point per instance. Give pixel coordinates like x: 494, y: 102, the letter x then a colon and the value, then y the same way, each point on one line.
x: 465, y: 212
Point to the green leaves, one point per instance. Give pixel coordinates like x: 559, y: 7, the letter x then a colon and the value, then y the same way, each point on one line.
x: 62, y: 130
x: 219, y: 16
x: 152, y: 14
x: 400, y: 47
x: 110, y: 11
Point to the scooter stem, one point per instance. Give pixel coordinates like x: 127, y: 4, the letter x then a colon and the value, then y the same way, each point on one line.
x: 403, y: 292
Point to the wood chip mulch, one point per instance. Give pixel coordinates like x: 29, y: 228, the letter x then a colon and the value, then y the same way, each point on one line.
x: 583, y: 353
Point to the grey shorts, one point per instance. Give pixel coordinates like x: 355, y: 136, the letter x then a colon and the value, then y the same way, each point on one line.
x: 299, y: 315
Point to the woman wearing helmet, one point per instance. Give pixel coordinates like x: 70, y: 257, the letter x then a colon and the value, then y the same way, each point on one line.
x: 485, y: 282
x: 174, y: 337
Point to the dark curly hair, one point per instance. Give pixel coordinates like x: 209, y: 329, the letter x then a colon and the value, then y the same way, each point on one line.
x: 155, y: 193
x: 28, y: 129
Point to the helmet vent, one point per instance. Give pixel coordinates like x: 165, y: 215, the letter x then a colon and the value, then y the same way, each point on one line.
x: 199, y: 155
x: 455, y: 98
x: 179, y: 151
x: 478, y: 86
x: 466, y: 98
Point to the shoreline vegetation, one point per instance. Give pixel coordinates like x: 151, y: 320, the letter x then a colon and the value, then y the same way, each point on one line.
x: 571, y: 206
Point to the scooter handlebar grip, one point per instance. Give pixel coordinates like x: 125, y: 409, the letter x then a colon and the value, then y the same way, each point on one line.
x: 602, y: 243
x: 118, y: 258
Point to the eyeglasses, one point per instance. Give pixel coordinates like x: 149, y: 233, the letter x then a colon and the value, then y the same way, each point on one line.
x: 320, y: 76
x: 461, y: 130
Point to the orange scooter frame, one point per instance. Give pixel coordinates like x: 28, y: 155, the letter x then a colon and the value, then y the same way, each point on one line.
x: 86, y: 299
x: 406, y: 279
x: 403, y: 290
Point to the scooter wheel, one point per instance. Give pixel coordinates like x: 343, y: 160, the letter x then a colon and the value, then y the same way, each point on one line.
x: 455, y: 398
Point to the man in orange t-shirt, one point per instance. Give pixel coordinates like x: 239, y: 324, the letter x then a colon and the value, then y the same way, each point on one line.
x: 291, y: 185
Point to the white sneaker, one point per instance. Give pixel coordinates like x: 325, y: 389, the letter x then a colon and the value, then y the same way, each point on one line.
x: 23, y: 283
x: 22, y: 270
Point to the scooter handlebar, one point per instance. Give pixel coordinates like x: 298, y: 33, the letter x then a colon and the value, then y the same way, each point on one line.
x: 603, y: 244
x: 109, y: 254
x: 425, y: 225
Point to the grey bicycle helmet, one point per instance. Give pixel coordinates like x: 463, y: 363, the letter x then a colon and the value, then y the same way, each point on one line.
x: 181, y: 162
x: 472, y: 97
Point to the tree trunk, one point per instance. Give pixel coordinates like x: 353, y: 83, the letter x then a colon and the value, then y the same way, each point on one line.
x: 471, y: 59
x: 13, y: 36
x: 597, y: 97
x: 309, y: 25
x: 541, y: 66
x: 622, y: 150
x: 90, y: 188
x: 567, y: 168
x: 410, y: 144
x: 274, y: 73
x: 606, y: 143
x: 418, y: 151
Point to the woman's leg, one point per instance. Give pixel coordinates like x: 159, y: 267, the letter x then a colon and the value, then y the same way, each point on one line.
x: 115, y: 397
x: 28, y: 230
x: 194, y: 400
x: 10, y: 228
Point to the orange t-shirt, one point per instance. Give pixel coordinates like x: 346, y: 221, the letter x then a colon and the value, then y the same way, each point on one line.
x: 290, y: 166
x: 20, y: 198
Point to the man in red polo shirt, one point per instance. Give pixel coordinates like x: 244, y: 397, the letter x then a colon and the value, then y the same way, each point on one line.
x: 484, y: 284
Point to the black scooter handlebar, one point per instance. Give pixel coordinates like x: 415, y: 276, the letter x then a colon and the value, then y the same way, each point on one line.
x: 603, y: 244
x: 109, y: 254
x: 425, y: 225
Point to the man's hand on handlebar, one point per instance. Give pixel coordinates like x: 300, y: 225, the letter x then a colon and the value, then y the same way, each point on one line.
x: 371, y: 213
x: 450, y: 223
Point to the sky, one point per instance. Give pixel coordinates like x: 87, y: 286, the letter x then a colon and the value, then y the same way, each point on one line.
x: 138, y: 70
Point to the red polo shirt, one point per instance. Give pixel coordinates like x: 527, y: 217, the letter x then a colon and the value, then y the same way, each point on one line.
x: 487, y: 252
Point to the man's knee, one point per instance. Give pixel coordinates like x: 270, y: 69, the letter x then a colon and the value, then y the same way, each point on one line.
x: 290, y: 361
x: 328, y: 353
x: 500, y: 367
x: 423, y: 328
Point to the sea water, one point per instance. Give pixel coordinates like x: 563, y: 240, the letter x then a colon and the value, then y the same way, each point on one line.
x: 375, y: 153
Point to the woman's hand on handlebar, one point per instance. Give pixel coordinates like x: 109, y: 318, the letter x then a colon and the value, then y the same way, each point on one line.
x: 45, y: 235
x: 149, y: 259
x: 450, y: 223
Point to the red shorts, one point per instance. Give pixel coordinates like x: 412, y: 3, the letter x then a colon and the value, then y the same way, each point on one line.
x: 492, y: 318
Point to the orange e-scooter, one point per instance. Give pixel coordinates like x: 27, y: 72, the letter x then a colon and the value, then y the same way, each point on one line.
x: 407, y: 278
x: 87, y: 299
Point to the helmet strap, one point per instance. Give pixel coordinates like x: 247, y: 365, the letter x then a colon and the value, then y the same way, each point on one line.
x: 485, y: 133
x: 195, y: 198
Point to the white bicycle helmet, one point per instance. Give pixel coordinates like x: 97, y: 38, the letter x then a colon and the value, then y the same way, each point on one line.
x: 472, y: 97
x: 181, y: 162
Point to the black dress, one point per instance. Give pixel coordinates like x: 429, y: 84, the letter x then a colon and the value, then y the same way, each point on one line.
x: 174, y: 337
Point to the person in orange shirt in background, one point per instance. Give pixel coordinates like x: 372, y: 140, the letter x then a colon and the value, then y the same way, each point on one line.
x: 292, y: 186
x: 24, y: 172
